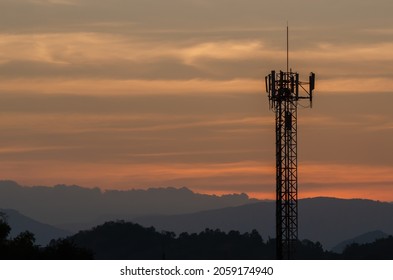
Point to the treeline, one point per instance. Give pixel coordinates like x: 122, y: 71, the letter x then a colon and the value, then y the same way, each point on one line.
x: 381, y: 249
x: 124, y: 240
x: 22, y: 247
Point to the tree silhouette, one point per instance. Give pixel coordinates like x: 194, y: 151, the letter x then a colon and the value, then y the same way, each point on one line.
x: 5, y: 229
x: 381, y: 249
x: 125, y: 240
x: 23, y: 247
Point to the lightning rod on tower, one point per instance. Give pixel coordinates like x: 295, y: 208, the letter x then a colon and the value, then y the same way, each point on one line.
x: 285, y: 91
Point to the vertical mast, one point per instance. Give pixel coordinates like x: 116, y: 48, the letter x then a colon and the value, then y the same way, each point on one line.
x: 283, y: 90
x: 287, y: 48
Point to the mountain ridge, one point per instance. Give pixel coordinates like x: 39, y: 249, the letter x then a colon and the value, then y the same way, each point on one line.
x: 67, y: 205
x: 43, y: 233
x: 365, y: 238
x: 325, y: 219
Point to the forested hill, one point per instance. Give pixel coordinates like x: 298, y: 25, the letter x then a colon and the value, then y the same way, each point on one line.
x: 125, y: 240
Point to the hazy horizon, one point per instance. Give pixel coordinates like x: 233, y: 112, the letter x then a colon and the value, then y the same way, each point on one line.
x: 133, y: 94
x: 218, y: 194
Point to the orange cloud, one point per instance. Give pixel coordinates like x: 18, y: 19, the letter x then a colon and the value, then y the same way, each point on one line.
x: 355, y: 85
x: 181, y: 87
x: 344, y: 173
x: 126, y: 175
x: 93, y: 50
x: 227, y: 50
x: 54, y: 2
x: 130, y: 87
x: 21, y: 149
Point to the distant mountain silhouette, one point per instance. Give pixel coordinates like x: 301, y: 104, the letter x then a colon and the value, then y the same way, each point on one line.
x: 260, y: 216
x: 365, y: 238
x: 327, y: 220
x: 74, y: 208
x: 43, y: 233
x: 331, y: 220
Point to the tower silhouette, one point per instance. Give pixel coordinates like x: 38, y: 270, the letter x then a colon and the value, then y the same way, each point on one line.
x: 285, y: 90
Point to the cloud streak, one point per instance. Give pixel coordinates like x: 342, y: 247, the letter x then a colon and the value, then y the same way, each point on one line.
x: 54, y: 2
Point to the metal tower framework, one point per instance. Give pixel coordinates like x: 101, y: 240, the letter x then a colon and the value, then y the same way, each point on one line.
x: 285, y: 91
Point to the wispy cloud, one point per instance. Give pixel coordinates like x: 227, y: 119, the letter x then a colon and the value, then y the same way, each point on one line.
x: 227, y: 50
x: 54, y: 2
x: 26, y: 150
x: 356, y: 85
x: 192, y: 62
x: 345, y: 173
x: 131, y: 87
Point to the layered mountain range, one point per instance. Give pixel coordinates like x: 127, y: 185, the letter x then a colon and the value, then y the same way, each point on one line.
x: 61, y: 210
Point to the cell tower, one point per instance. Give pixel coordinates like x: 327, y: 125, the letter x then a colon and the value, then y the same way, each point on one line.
x: 285, y: 91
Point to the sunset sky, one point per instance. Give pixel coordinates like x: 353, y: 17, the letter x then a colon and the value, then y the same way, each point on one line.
x: 123, y: 94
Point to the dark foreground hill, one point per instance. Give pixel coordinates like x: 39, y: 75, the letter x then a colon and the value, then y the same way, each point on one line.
x: 125, y: 240
x: 381, y: 249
